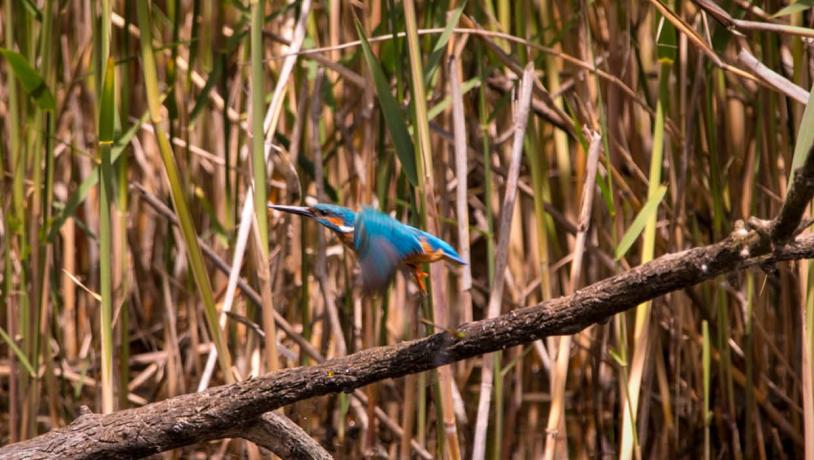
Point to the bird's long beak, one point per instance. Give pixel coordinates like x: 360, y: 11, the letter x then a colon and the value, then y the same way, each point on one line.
x: 301, y: 210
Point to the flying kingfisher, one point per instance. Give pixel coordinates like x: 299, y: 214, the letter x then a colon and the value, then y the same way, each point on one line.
x: 381, y: 243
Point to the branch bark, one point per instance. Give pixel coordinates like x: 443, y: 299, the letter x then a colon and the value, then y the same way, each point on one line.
x: 214, y: 413
x: 282, y: 436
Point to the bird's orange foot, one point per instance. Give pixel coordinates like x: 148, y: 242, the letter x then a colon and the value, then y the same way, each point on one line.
x: 420, y: 275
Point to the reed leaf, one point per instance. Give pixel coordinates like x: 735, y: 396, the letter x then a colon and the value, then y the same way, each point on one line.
x: 33, y: 83
x: 393, y: 116
x: 194, y: 254
x: 647, y: 212
x: 80, y: 194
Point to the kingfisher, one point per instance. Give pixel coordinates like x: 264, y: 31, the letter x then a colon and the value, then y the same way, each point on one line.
x: 382, y: 244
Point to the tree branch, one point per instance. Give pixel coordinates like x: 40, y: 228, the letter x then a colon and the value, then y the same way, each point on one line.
x: 214, y: 413
x: 282, y: 436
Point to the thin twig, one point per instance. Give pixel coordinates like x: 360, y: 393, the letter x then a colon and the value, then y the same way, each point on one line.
x: 777, y: 81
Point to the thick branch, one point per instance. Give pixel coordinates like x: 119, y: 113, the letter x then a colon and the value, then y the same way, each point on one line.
x: 281, y: 436
x: 198, y: 417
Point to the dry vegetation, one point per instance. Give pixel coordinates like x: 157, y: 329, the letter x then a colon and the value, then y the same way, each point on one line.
x: 124, y: 188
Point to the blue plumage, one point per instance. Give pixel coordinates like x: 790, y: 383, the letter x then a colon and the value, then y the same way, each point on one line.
x: 381, y: 242
x: 334, y: 217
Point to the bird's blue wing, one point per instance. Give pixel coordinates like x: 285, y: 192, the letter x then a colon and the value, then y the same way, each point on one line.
x: 381, y: 244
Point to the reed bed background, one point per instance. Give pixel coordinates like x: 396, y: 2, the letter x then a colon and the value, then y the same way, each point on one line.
x: 128, y: 160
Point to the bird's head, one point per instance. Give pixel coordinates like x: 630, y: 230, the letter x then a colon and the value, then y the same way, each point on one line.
x: 336, y: 218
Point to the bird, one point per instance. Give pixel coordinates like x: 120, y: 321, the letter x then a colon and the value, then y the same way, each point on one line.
x: 382, y: 244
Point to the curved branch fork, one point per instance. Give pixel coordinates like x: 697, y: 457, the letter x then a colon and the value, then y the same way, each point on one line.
x: 220, y: 411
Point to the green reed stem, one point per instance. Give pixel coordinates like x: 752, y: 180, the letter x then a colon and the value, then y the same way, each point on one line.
x: 177, y: 193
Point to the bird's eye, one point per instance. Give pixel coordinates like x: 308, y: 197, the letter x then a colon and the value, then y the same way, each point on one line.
x: 322, y: 212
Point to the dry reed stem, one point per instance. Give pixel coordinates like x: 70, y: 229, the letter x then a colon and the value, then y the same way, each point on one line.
x: 555, y: 429
x: 501, y: 254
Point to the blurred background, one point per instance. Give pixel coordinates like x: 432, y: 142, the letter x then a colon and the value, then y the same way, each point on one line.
x: 131, y: 184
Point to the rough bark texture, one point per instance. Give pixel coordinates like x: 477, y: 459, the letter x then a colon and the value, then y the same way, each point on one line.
x: 214, y: 413
x: 281, y: 436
